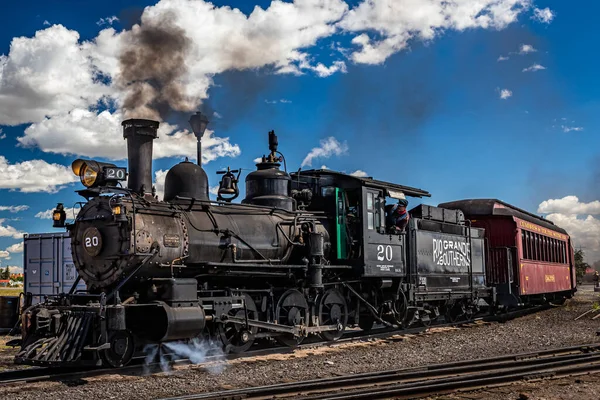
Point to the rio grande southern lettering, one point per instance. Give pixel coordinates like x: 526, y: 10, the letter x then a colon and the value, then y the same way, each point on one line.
x: 451, y: 253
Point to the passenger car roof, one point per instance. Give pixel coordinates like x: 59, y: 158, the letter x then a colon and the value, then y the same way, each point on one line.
x: 483, y: 207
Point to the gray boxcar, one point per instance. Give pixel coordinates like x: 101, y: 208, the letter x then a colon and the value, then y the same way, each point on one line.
x: 48, y: 265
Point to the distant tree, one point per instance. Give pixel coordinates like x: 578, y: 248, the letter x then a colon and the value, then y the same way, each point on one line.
x: 580, y: 265
x: 596, y: 265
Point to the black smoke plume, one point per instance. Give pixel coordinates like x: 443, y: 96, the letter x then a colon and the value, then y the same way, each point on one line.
x: 152, y: 67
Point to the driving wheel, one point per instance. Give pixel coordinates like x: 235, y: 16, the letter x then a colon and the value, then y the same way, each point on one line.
x: 333, y: 310
x: 238, y: 338
x: 292, y: 309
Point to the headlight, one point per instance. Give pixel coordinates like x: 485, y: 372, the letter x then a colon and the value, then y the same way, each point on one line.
x: 88, y: 175
x: 93, y: 173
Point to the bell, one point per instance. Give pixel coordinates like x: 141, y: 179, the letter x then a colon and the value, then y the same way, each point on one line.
x: 226, y: 186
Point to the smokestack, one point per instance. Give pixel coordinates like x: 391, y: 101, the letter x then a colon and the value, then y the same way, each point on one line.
x: 139, y: 134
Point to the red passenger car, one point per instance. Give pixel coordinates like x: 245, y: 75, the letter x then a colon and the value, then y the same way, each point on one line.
x: 529, y: 258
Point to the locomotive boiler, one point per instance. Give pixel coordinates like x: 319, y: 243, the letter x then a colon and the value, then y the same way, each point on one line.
x: 118, y: 234
x: 302, y: 254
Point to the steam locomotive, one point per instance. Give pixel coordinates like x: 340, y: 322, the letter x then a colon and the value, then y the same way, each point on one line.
x: 302, y: 254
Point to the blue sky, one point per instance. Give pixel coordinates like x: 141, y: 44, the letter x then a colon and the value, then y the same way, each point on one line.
x: 428, y: 113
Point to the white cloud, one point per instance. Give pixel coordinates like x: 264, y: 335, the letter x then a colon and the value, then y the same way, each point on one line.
x: 85, y: 133
x: 159, y: 183
x: 323, y: 71
x: 71, y: 212
x: 34, y: 176
x: 329, y: 147
x: 502, y: 58
x: 359, y: 173
x: 15, y: 248
x: 324, y: 166
x: 214, y: 190
x: 534, y: 67
x: 2, y: 135
x: 9, y: 231
x: 567, y: 129
x: 569, y: 205
x: 505, y: 93
x: 577, y: 218
x: 399, y: 21
x: 46, y: 75
x: 107, y: 20
x: 14, y: 209
x: 584, y: 231
x: 257, y: 160
x: 284, y: 101
x: 526, y: 49
x: 544, y: 15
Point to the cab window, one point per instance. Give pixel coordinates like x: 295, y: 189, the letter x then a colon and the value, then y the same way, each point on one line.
x: 373, y: 211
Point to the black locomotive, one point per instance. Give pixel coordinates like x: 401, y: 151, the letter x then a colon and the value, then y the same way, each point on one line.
x: 304, y: 253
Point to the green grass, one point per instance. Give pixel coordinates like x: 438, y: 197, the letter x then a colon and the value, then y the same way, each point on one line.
x: 10, y: 291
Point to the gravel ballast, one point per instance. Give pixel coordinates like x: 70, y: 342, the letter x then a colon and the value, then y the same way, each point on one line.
x: 547, y: 329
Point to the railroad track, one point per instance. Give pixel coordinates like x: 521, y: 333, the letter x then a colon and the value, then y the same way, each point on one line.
x: 433, y: 379
x: 38, y: 374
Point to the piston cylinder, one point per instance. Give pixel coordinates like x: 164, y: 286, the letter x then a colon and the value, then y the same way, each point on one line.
x: 183, y: 322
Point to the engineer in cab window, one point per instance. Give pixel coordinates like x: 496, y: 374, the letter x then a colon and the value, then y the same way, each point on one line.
x: 398, y: 217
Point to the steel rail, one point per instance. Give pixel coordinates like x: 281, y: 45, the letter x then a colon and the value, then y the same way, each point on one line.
x: 38, y: 374
x: 429, y: 379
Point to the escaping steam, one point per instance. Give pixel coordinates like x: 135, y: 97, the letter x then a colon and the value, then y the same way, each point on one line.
x: 152, y: 67
x: 197, y: 351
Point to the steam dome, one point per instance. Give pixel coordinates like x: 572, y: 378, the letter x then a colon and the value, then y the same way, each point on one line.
x: 186, y: 179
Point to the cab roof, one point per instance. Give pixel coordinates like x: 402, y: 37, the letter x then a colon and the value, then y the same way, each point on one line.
x: 391, y: 188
